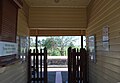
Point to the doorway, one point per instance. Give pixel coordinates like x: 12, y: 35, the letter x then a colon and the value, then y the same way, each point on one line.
x: 57, y: 46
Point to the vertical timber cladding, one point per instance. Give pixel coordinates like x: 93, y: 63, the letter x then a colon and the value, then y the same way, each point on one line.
x: 100, y: 14
x: 8, y: 27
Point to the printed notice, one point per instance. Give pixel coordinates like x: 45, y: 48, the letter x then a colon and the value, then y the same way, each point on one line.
x: 8, y: 48
x: 106, y: 38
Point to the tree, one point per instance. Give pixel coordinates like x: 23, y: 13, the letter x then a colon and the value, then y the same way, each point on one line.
x: 64, y: 41
x: 57, y: 44
x: 48, y: 43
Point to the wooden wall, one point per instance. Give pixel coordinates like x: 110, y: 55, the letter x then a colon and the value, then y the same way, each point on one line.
x: 100, y: 14
x: 22, y: 32
x: 26, y: 9
x: 22, y: 24
x: 8, y: 27
x: 57, y: 17
x: 12, y: 73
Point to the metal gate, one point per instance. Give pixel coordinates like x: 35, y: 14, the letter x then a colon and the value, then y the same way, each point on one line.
x: 37, y: 66
x: 77, y: 65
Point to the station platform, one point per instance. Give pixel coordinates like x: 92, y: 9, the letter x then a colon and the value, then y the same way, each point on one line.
x: 57, y: 75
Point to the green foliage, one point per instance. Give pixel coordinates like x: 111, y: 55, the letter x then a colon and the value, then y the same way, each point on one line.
x: 62, y: 42
x: 56, y: 44
x: 59, y: 43
x: 48, y: 43
x: 55, y: 53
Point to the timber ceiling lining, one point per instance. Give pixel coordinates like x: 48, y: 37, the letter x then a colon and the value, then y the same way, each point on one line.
x: 57, y: 18
x: 57, y: 3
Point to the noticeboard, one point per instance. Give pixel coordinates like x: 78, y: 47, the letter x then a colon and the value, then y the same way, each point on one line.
x: 92, y: 49
x: 8, y: 48
x: 8, y: 52
x: 105, y: 39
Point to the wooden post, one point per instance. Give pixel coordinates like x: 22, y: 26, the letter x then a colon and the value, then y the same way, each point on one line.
x: 37, y: 64
x: 36, y: 42
x: 81, y: 67
x: 78, y: 55
x: 85, y: 64
x: 81, y: 41
x: 40, y: 65
x: 29, y: 66
x: 69, y: 65
x: 74, y: 65
x: 87, y: 67
x: 45, y: 65
x: 34, y: 69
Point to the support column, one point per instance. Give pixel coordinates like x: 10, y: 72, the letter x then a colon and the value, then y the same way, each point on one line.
x: 81, y: 41
x: 36, y: 43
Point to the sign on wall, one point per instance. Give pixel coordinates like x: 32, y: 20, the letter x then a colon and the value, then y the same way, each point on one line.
x: 23, y: 46
x: 92, y: 49
x: 8, y: 48
x: 105, y: 38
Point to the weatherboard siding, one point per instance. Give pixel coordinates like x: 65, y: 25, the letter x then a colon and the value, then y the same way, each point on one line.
x: 22, y: 24
x: 102, y: 13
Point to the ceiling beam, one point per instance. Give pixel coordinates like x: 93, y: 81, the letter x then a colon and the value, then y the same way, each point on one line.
x: 58, y: 28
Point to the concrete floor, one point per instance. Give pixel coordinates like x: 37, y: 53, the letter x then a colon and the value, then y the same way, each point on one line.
x: 52, y: 75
